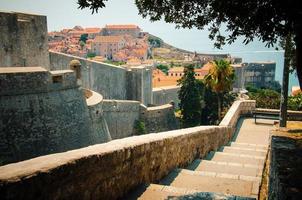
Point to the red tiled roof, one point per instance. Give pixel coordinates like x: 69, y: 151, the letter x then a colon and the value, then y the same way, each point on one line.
x: 124, y: 26
x: 92, y: 30
x: 108, y: 39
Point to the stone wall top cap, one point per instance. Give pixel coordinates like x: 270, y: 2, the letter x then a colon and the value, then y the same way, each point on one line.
x: 59, y: 72
x: 15, y: 12
x: 13, y: 70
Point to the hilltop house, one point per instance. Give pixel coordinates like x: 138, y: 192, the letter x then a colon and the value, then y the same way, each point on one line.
x: 106, y: 46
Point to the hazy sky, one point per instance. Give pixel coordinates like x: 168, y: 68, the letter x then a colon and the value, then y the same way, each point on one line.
x: 65, y: 14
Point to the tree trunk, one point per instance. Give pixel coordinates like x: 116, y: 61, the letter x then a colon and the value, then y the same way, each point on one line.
x: 284, y: 91
x: 219, y: 107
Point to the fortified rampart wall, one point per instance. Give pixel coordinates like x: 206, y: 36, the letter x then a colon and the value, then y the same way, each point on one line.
x: 121, y: 116
x: 106, y: 79
x: 23, y: 40
x: 113, y: 82
x: 159, y: 118
x: 95, y: 107
x: 42, y: 112
x: 102, y: 171
x: 165, y: 95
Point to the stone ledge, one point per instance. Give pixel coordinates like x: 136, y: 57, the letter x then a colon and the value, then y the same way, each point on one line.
x: 144, y: 158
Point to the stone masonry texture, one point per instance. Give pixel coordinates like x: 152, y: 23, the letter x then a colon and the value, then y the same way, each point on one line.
x: 23, y: 40
x: 41, y: 116
x: 110, y: 170
x: 159, y: 118
x: 113, y: 82
x: 285, y: 177
x: 103, y: 171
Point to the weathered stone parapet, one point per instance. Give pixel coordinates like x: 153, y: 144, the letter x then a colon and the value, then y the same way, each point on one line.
x: 32, y: 80
x: 23, y: 40
x: 108, y: 80
x: 165, y: 95
x: 99, y: 127
x: 42, y: 112
x: 239, y: 107
x: 109, y: 170
x: 121, y: 116
x: 285, y: 175
x: 159, y: 118
x: 113, y: 82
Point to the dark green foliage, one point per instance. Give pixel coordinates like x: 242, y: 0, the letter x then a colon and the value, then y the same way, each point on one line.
x: 139, y: 127
x: 265, y: 98
x: 91, y: 55
x: 155, y: 41
x: 84, y: 38
x: 295, y: 102
x: 190, y: 95
x: 275, y: 85
x: 163, y: 68
x: 209, y: 115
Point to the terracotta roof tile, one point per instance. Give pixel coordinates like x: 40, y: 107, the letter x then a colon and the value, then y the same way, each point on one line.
x: 108, y: 39
x: 124, y: 26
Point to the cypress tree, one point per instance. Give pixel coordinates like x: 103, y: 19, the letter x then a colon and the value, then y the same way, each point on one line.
x: 190, y: 98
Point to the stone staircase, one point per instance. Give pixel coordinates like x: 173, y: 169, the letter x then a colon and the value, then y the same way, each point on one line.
x: 232, y: 172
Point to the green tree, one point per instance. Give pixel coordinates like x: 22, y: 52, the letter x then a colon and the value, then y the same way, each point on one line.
x: 163, y: 68
x: 265, y: 98
x: 84, y: 38
x: 268, y: 20
x: 220, y: 79
x: 190, y: 95
x: 139, y: 127
x: 295, y: 102
x: 91, y: 55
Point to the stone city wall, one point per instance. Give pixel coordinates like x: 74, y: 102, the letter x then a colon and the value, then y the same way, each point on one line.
x: 238, y: 108
x: 113, y: 82
x: 110, y: 170
x: 106, y: 79
x: 165, y: 95
x: 23, y: 40
x: 41, y: 112
x: 159, y: 118
x: 99, y: 125
x: 139, y: 84
x: 121, y: 116
x: 285, y: 167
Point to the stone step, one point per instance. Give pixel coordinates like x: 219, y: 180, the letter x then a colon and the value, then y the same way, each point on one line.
x: 246, y: 186
x: 239, y: 158
x: 229, y: 168
x: 162, y: 192
x: 246, y: 151
x: 249, y: 145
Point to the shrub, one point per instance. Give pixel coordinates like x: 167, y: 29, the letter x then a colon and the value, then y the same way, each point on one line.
x: 139, y: 127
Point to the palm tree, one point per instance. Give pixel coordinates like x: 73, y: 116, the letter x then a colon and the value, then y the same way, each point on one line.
x: 220, y: 79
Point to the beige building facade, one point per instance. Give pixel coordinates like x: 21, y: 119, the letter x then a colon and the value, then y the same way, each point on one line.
x: 106, y: 46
